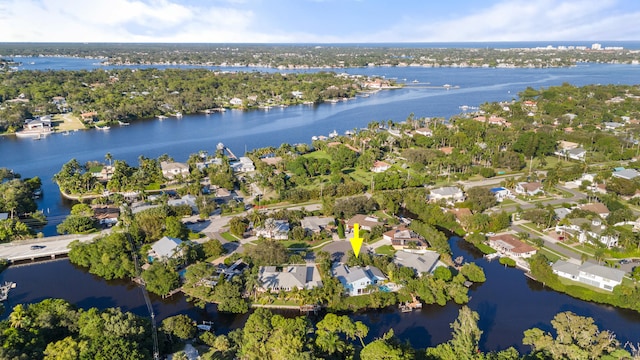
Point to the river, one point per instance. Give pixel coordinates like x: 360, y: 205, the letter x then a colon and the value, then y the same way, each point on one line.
x: 508, y: 302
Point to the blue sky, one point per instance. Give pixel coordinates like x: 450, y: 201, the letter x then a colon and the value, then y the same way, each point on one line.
x: 317, y: 21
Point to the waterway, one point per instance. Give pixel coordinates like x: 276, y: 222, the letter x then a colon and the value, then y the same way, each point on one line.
x: 508, y: 302
x: 248, y: 130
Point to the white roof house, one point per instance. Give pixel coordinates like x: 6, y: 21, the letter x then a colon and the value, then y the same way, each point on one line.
x: 357, y: 279
x: 274, y: 229
x: 289, y: 277
x: 244, y: 164
x: 188, y: 199
x: 171, y: 169
x: 449, y: 193
x: 627, y: 174
x: 602, y: 277
x: 421, y: 263
x: 166, y: 248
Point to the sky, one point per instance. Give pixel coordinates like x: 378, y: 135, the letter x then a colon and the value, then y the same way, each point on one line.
x: 318, y: 21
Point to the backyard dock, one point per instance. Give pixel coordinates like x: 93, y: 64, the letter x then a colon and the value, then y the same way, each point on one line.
x: 4, y: 290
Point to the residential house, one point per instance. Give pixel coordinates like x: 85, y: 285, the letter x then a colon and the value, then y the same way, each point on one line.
x: 507, y: 244
x: 576, y: 154
x: 589, y: 230
x: 449, y: 193
x: 222, y: 195
x: 166, y: 248
x: 365, y: 222
x: 106, y: 215
x: 598, y: 208
x: 424, y: 131
x: 172, y: 169
x: 402, y: 237
x: 274, y: 229
x: 315, y: 224
x: 380, y: 166
x: 627, y: 174
x: 356, y: 280
x: 235, y: 101
x: 561, y: 213
x: 529, y: 188
x: 208, y: 162
x: 244, y: 164
x: 288, y: 277
x: 461, y: 214
x: 612, y: 125
x: 501, y: 193
x: 602, y: 277
x: 103, y: 173
x: 189, y: 200
x: 423, y: 263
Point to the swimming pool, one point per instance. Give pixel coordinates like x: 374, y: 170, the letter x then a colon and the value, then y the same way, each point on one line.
x: 384, y: 288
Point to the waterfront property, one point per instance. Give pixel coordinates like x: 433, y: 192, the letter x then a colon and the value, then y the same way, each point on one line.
x: 508, y: 245
x: 401, y: 237
x: 602, y: 277
x: 244, y: 164
x: 288, y: 277
x: 627, y: 174
x: 423, y: 263
x: 172, y: 169
x: 166, y: 248
x: 357, y: 280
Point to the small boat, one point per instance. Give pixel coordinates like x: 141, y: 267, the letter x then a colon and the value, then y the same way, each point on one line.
x: 161, y: 117
x: 314, y: 138
x: 103, y: 128
x: 66, y: 132
x: 415, y: 81
x: 333, y: 134
x: 123, y: 123
x: 349, y: 133
x: 179, y: 115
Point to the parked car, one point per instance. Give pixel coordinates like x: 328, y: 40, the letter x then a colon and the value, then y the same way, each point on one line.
x: 37, y: 247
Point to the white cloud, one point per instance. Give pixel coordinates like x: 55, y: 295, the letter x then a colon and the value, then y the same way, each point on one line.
x: 236, y: 21
x: 523, y: 20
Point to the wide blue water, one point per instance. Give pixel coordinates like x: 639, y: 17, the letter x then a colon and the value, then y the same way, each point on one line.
x: 508, y: 302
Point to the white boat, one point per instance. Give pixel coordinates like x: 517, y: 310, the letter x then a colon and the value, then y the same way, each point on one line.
x: 103, y: 128
x: 333, y: 134
x: 122, y: 123
x: 314, y: 138
x: 179, y: 115
x: 349, y: 133
x: 415, y: 81
x: 66, y: 132
x: 161, y: 117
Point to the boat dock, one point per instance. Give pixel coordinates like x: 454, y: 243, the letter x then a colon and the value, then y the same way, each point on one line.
x: 492, y: 256
x: 4, y: 290
x: 410, y: 306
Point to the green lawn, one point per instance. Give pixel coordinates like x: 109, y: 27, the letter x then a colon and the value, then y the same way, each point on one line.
x: 318, y: 154
x: 386, y: 250
x: 550, y: 255
x: 360, y: 175
x: 229, y: 236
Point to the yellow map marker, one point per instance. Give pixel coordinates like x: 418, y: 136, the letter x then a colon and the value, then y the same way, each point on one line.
x: 356, y: 241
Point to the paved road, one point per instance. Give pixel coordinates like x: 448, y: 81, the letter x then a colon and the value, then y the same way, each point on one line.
x: 48, y: 246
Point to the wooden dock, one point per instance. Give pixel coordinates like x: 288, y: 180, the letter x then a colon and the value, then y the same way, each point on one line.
x: 172, y: 292
x: 4, y: 290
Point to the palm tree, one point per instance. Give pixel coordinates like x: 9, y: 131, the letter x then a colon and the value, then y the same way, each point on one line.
x: 19, y: 318
x: 108, y: 157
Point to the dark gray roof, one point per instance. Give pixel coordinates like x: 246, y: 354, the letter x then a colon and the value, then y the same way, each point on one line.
x: 566, y: 267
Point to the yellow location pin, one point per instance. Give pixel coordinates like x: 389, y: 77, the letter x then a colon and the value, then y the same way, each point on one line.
x: 356, y: 241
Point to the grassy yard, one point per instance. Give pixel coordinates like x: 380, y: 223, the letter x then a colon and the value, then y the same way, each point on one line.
x: 360, y: 175
x: 386, y: 250
x: 318, y: 154
x: 229, y: 236
x: 66, y: 122
x: 552, y: 256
